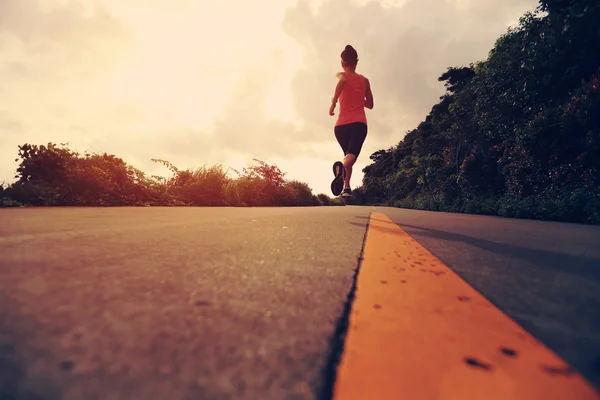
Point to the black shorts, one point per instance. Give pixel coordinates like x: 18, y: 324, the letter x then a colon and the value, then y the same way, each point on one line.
x: 351, y: 137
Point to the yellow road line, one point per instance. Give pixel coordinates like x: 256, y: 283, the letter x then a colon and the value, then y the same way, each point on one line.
x: 418, y: 331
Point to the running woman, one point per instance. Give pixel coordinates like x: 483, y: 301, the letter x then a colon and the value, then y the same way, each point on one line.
x: 354, y: 92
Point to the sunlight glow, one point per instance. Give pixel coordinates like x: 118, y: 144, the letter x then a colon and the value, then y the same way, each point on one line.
x: 189, y: 62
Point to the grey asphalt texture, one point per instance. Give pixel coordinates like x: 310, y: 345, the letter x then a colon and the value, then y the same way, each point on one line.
x: 172, y: 303
x: 247, y: 303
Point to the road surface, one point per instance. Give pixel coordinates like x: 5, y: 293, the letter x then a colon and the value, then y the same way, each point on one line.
x: 251, y: 303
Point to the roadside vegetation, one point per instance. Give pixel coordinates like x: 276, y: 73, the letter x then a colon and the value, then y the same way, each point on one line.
x: 54, y: 175
x: 516, y: 135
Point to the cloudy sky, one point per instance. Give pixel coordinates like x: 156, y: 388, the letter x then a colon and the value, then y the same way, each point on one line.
x: 205, y: 82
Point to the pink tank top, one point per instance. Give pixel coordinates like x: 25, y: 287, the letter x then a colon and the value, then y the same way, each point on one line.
x: 352, y: 100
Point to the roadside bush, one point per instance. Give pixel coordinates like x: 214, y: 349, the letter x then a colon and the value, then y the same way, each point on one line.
x: 295, y: 193
x: 53, y: 175
x: 516, y: 134
x: 323, y: 199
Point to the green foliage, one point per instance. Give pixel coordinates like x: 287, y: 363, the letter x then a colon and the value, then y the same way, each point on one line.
x: 6, y: 199
x: 204, y: 186
x: 515, y: 135
x: 55, y: 175
x: 323, y: 199
x: 297, y: 193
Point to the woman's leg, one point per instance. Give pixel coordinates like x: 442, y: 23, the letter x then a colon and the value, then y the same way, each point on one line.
x: 357, y: 135
x: 343, y: 138
x: 348, y: 162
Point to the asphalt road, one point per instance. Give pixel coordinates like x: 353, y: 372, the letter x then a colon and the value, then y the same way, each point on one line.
x: 238, y: 303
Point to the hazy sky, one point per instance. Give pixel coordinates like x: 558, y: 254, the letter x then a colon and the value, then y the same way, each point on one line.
x: 198, y: 82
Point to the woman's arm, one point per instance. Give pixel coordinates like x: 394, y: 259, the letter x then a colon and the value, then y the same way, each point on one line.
x: 369, y: 96
x: 339, y: 87
x: 338, y: 91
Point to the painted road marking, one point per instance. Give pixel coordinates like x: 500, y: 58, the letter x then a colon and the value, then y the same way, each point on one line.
x: 418, y: 331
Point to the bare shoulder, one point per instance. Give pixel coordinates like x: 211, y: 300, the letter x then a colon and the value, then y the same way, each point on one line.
x: 340, y: 76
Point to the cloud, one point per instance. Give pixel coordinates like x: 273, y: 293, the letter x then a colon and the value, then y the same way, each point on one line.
x: 245, y: 125
x: 50, y: 55
x: 59, y: 40
x: 9, y: 126
x: 69, y: 21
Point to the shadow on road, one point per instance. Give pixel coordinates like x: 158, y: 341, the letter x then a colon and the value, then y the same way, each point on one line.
x: 12, y: 367
x: 375, y: 219
x: 586, y: 267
